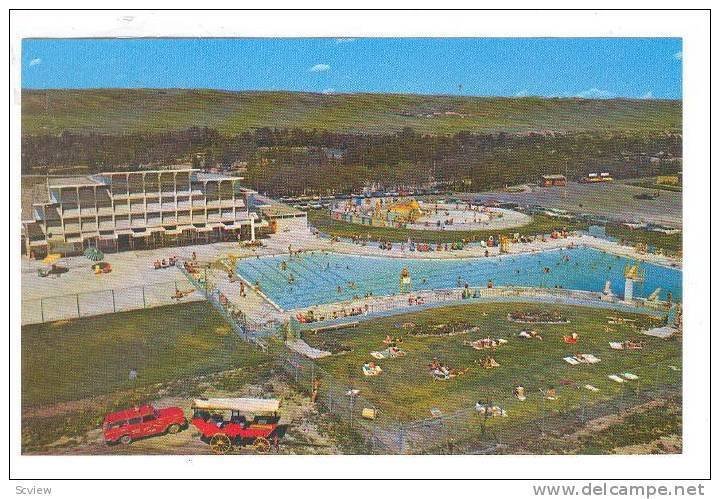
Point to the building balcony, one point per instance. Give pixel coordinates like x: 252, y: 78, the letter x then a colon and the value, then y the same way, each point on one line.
x: 70, y: 211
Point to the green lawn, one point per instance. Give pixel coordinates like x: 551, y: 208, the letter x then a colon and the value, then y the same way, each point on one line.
x: 406, y: 391
x: 540, y: 224
x: 670, y: 243
x: 650, y: 183
x: 70, y: 360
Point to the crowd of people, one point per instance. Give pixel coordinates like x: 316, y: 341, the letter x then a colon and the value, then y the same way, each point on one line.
x: 537, y: 317
x: 166, y: 262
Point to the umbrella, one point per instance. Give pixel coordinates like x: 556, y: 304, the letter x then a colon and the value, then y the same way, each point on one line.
x: 51, y: 258
x: 94, y: 254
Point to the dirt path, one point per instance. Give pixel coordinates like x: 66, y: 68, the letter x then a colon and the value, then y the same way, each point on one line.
x: 304, y: 435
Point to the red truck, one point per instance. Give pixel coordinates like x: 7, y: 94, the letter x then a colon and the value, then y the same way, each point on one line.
x: 140, y: 422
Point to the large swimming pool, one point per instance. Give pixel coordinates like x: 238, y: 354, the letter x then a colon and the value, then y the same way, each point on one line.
x: 315, y: 278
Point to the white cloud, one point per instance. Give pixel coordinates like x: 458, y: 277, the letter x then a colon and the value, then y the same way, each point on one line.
x: 595, y: 93
x: 35, y: 62
x: 678, y: 55
x: 319, y: 68
x: 647, y: 95
x: 522, y: 93
x: 328, y: 91
x: 345, y: 40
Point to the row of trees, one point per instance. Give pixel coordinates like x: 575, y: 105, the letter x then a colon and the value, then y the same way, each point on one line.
x: 297, y: 161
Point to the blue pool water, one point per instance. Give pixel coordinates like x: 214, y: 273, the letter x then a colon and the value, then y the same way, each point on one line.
x: 317, y: 275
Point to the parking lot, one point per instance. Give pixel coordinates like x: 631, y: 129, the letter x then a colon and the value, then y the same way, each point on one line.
x: 613, y: 201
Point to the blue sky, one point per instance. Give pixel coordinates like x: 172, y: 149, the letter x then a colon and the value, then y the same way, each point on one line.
x: 551, y: 67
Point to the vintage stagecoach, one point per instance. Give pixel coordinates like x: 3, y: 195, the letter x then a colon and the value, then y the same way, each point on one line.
x: 226, y: 423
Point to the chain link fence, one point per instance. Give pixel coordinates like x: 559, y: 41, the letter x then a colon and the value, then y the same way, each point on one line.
x: 77, y: 305
x: 495, y: 422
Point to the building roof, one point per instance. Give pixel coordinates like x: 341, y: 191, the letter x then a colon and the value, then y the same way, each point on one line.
x: 279, y: 210
x: 554, y: 176
x: 73, y: 181
x: 33, y: 190
x: 201, y: 176
x: 271, y: 208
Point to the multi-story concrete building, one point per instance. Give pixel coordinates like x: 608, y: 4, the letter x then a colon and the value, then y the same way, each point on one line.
x: 141, y: 209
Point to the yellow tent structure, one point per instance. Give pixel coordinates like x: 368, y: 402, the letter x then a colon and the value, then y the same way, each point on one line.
x: 52, y: 258
x: 406, y: 210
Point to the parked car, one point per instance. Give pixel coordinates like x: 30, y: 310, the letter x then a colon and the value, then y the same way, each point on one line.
x: 140, y: 422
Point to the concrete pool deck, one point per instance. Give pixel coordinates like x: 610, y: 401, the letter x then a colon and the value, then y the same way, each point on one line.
x: 135, y: 268
x: 398, y: 304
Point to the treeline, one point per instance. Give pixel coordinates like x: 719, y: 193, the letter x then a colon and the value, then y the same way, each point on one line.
x: 297, y: 161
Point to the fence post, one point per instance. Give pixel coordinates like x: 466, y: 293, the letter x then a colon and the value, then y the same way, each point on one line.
x: 77, y: 303
x: 143, y: 293
x: 42, y: 312
x: 401, y: 439
x: 112, y: 291
x: 312, y: 375
x: 352, y: 407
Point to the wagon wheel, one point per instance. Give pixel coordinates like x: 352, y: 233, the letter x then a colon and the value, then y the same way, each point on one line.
x: 220, y: 443
x: 261, y: 445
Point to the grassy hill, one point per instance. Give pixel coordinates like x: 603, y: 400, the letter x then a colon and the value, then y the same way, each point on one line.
x: 125, y: 110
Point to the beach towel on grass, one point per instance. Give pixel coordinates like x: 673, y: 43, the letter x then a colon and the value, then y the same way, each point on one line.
x: 616, y: 345
x: 590, y: 358
x: 571, y: 360
x: 387, y: 354
x: 617, y: 378
x: 383, y: 354
x: 592, y: 388
x: 372, y: 372
x: 630, y: 376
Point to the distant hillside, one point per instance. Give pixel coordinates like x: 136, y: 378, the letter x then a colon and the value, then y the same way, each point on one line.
x: 120, y: 111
